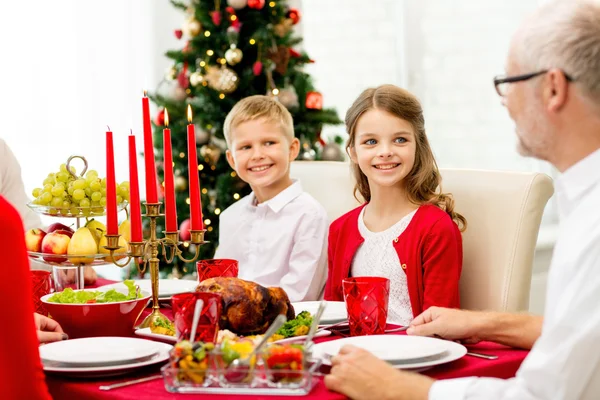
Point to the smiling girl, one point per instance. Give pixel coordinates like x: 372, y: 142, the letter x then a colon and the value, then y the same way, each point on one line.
x: 407, y: 230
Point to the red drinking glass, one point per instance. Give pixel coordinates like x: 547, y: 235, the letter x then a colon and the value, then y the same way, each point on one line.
x: 208, y: 325
x: 41, y: 285
x: 366, y: 300
x: 217, y: 268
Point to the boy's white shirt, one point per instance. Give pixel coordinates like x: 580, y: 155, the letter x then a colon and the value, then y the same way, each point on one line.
x: 281, y: 242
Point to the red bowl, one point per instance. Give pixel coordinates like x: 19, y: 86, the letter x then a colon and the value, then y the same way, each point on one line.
x: 97, y: 319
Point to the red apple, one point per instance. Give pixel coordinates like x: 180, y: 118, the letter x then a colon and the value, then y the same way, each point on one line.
x: 184, y: 230
x: 33, y: 240
x: 55, y: 243
x: 64, y: 232
x: 58, y: 226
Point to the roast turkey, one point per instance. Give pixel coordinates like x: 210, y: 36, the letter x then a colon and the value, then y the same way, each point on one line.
x: 248, y: 308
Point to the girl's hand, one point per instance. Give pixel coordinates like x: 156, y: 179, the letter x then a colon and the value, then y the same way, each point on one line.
x: 48, y: 330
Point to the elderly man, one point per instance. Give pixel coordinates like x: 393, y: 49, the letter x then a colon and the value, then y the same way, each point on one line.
x: 552, y: 92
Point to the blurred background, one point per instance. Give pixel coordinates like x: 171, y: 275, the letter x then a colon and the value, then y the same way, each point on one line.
x: 70, y: 68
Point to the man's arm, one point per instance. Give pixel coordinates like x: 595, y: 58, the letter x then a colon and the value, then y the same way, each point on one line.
x: 515, y: 330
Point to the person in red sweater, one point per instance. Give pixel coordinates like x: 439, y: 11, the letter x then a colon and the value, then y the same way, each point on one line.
x: 407, y: 230
x: 21, y: 374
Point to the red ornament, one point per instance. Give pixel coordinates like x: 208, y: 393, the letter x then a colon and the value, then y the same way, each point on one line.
x: 294, y: 15
x: 160, y: 117
x: 314, y: 101
x: 230, y: 10
x: 256, y: 4
x: 183, y: 79
x: 236, y: 25
x: 257, y: 68
x: 294, y: 53
x: 184, y: 230
x: 216, y: 17
x: 178, y: 33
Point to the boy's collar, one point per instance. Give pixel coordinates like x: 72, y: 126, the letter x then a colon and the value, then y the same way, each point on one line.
x: 282, y: 199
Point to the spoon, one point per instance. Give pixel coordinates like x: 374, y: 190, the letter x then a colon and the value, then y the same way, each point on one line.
x: 315, y: 324
x: 197, y: 311
x: 238, y: 369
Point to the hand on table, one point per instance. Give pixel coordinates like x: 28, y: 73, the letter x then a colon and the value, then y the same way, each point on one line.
x: 359, y: 375
x: 447, y: 323
x: 48, y: 330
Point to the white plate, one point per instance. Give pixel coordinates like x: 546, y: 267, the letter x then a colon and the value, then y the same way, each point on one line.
x: 335, y: 311
x: 95, y: 372
x: 146, y: 332
x: 95, y: 351
x: 166, y: 287
x: 453, y: 350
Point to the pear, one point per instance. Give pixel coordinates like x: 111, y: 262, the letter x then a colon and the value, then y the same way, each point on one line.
x: 122, y: 250
x: 97, y: 228
x: 125, y: 230
x: 82, y: 243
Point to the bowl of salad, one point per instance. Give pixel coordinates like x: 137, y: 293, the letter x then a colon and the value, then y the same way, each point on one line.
x: 91, y: 312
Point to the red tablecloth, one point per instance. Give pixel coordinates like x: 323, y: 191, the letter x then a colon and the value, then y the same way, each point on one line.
x: 505, y: 366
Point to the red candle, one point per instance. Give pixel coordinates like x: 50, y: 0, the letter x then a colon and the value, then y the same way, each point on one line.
x: 196, y: 222
x: 134, y: 194
x: 170, y: 208
x: 151, y: 181
x: 111, y: 188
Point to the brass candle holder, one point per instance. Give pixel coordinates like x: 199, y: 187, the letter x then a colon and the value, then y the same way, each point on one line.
x: 148, y: 252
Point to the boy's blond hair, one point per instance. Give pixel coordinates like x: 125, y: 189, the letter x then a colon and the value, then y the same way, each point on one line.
x: 257, y: 107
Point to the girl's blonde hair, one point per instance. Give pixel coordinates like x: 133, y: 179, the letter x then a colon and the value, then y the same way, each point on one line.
x: 423, y: 182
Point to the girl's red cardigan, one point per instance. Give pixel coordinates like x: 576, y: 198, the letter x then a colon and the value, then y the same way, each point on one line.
x: 429, y: 249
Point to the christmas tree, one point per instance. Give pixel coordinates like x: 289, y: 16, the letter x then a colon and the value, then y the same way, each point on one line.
x: 232, y: 50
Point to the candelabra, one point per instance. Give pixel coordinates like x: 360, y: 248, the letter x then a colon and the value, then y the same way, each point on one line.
x: 147, y: 251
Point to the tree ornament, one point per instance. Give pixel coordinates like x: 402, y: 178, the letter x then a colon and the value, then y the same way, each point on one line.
x: 281, y: 57
x: 294, y: 15
x: 170, y: 89
x: 288, y: 97
x: 171, y: 73
x: 256, y: 4
x: 282, y: 28
x: 233, y: 55
x: 216, y: 17
x: 294, y: 53
x: 314, y: 101
x: 159, y: 120
x: 191, y: 27
x: 202, y: 135
x: 183, y: 80
x: 257, y: 68
x: 181, y: 183
x: 178, y: 33
x: 237, y: 4
x: 332, y: 152
x: 211, y: 152
x: 222, y: 79
x: 184, y: 230
x: 196, y: 78
x: 308, y: 155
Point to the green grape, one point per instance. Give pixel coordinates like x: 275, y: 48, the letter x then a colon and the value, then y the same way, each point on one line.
x: 48, y: 181
x: 85, y: 203
x: 62, y: 177
x: 66, y: 204
x: 70, y: 190
x: 119, y: 199
x: 56, y: 202
x: 103, y: 181
x: 95, y: 185
x: 53, y: 211
x: 63, y: 167
x: 64, y: 211
x: 36, y: 201
x: 73, y: 170
x: 45, y: 198
x: 103, y: 201
x: 95, y: 203
x: 79, y: 184
x: 47, y: 188
x: 36, y: 192
x: 78, y: 194
x: 51, y: 175
x: 96, y: 196
x: 126, y: 196
x: 74, y: 210
x: 91, y: 173
x: 58, y: 191
x: 126, y: 184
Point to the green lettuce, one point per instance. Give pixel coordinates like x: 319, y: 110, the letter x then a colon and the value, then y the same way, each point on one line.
x: 69, y: 296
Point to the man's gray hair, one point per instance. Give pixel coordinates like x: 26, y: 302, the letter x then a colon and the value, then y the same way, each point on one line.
x: 564, y: 34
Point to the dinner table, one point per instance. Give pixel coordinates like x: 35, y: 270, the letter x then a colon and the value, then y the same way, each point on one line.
x: 63, y: 387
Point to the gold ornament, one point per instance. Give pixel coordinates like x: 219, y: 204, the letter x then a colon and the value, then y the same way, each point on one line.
x: 171, y: 73
x: 191, y: 27
x: 222, y: 79
x: 196, y: 78
x: 181, y: 183
x: 282, y: 28
x: 233, y: 55
x: 211, y: 152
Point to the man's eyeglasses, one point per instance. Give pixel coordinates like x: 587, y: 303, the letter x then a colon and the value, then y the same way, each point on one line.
x: 501, y: 82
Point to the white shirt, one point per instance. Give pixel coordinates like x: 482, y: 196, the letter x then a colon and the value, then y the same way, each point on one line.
x: 377, y: 256
x: 565, y: 361
x: 281, y: 242
x: 12, y: 188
